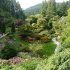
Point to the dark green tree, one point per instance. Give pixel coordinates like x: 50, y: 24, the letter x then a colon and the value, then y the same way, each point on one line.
x: 8, y: 51
x: 12, y: 28
x: 3, y: 28
x: 50, y: 25
x: 51, y: 10
x: 44, y: 8
x: 63, y: 9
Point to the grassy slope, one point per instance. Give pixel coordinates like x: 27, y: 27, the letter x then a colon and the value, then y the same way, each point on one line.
x: 48, y: 48
x: 20, y: 40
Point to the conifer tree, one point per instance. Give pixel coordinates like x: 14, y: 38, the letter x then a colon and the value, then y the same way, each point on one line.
x: 3, y: 28
x: 51, y: 7
x: 12, y: 28
x: 44, y: 8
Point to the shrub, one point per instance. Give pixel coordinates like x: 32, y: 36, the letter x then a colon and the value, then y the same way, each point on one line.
x: 12, y: 28
x: 5, y: 65
x: 24, y: 49
x: 28, y: 65
x: 24, y: 55
x: 3, y: 27
x: 40, y: 53
x: 37, y: 38
x: 11, y: 36
x: 8, y: 51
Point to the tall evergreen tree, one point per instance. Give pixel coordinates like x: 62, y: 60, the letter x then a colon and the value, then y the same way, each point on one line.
x: 51, y: 7
x: 63, y: 9
x: 3, y: 28
x: 12, y: 28
x: 44, y: 8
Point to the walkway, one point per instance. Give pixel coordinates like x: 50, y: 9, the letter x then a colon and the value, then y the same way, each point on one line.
x: 57, y: 43
x: 3, y: 35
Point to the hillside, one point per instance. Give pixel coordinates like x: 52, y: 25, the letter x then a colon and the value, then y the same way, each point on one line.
x: 33, y: 9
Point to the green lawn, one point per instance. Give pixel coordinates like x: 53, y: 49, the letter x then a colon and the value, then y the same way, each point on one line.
x: 7, y: 29
x: 20, y: 40
x: 48, y: 48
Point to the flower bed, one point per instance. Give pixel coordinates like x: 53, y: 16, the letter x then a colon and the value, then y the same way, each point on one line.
x: 16, y: 60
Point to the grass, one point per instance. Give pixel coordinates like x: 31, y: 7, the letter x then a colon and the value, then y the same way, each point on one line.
x: 20, y: 40
x: 7, y: 29
x: 48, y: 48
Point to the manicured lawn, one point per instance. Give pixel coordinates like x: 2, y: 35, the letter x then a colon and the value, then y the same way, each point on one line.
x: 7, y: 29
x: 20, y: 40
x: 48, y: 48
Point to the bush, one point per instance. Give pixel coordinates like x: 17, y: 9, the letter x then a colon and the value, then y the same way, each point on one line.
x: 24, y: 55
x: 37, y: 38
x: 65, y: 45
x: 24, y: 49
x: 28, y: 65
x: 8, y: 51
x: 5, y: 65
x: 40, y: 53
x: 11, y: 36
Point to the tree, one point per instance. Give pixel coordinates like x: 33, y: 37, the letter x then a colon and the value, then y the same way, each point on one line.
x: 12, y: 28
x: 50, y: 25
x: 3, y: 28
x: 0, y: 24
x: 63, y: 9
x: 44, y: 8
x: 31, y: 19
x: 51, y: 10
x: 8, y: 51
x: 25, y: 30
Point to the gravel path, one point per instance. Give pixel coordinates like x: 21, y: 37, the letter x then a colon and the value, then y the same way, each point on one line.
x: 57, y: 43
x: 3, y: 35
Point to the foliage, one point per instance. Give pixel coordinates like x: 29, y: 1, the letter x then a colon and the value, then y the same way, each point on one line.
x: 12, y: 28
x: 6, y: 52
x: 25, y: 30
x: 3, y: 28
x: 59, y: 61
x: 5, y: 65
x: 65, y: 45
x: 35, y: 46
x: 20, y: 40
x: 68, y: 17
x: 31, y: 19
x: 24, y: 55
x: 28, y: 65
x: 65, y: 34
x: 42, y: 22
x: 12, y: 8
x: 18, y: 22
x: 24, y: 49
x: 44, y: 8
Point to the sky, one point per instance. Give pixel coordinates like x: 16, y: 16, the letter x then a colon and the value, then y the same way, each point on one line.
x: 28, y: 3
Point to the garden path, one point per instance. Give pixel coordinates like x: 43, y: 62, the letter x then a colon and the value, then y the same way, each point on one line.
x: 57, y: 43
x: 1, y: 36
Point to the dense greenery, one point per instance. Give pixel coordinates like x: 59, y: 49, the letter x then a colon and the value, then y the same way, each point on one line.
x: 8, y: 51
x: 3, y: 27
x: 11, y: 7
x: 12, y: 28
x: 29, y: 40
